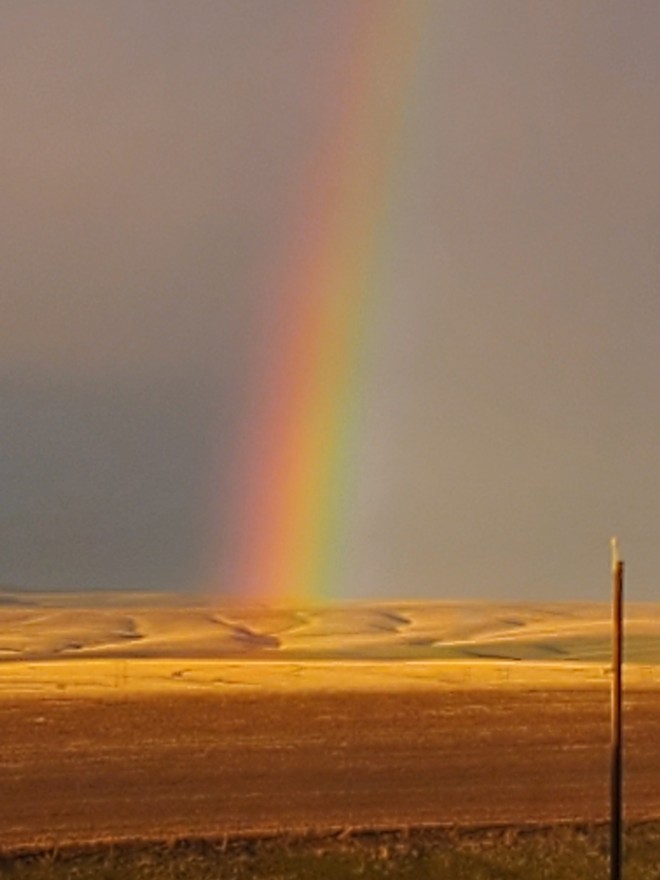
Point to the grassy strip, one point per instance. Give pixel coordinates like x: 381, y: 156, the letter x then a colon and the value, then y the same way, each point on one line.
x: 560, y: 853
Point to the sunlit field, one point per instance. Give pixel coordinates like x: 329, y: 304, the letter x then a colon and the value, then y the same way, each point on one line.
x: 147, y: 736
x: 119, y: 643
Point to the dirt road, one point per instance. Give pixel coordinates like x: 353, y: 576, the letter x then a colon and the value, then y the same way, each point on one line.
x: 158, y: 766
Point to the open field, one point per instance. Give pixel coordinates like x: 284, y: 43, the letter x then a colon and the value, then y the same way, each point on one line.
x: 42, y: 627
x: 112, y: 644
x: 164, y: 766
x: 157, y: 721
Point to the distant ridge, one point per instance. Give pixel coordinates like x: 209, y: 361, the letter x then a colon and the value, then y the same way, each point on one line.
x: 41, y: 626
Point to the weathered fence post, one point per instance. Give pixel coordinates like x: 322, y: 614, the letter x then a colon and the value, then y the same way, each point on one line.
x: 616, y: 790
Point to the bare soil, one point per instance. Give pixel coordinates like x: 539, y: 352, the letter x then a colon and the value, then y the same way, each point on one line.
x: 158, y: 766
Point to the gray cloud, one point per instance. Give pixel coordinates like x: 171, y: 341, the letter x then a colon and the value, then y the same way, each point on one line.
x: 151, y: 158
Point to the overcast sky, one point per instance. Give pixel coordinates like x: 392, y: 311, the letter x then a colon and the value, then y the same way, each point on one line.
x: 150, y: 154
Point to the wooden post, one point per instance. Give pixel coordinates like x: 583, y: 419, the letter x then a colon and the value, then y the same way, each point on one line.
x: 616, y: 735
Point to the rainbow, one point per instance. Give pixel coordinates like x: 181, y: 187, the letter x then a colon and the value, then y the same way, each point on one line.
x: 296, y: 467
